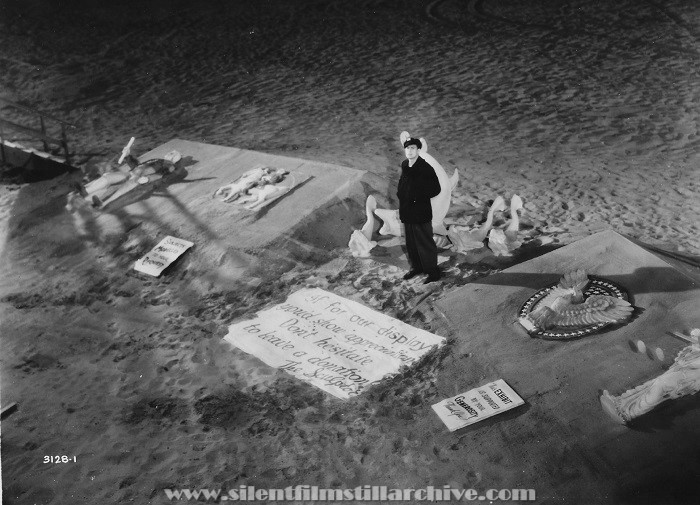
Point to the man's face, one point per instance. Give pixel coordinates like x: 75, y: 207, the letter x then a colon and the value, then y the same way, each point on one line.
x: 411, y: 152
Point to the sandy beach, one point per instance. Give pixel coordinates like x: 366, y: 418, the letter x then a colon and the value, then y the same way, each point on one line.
x: 587, y: 110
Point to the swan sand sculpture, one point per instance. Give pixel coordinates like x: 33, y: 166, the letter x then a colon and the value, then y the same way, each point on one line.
x: 501, y: 241
x: 361, y: 242
x: 466, y: 239
x: 504, y: 241
x: 440, y: 204
x: 390, y: 222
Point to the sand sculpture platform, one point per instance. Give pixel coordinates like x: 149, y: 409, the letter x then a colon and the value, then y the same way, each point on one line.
x: 187, y: 208
x: 227, y: 237
x: 562, y: 440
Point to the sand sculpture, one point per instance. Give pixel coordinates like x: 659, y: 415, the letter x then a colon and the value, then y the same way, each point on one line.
x: 640, y: 347
x: 361, y: 242
x: 440, y: 204
x: 566, y: 305
x: 504, y: 241
x: 391, y: 225
x: 126, y: 151
x: 256, y: 197
x: 442, y: 241
x: 681, y: 379
x: 501, y: 241
x: 232, y: 191
x: 120, y: 182
x: 466, y: 239
x: 254, y: 188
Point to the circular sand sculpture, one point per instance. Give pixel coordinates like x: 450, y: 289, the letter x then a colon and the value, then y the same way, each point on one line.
x: 576, y: 306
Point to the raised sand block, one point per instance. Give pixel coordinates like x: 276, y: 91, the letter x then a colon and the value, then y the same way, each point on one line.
x: 190, y: 211
x: 563, y: 427
x: 224, y: 233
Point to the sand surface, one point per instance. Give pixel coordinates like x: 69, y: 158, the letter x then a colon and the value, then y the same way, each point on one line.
x: 586, y: 109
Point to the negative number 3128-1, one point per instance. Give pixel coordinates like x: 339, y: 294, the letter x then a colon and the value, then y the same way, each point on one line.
x: 60, y: 459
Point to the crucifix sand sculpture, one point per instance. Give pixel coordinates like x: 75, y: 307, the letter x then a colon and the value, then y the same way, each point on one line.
x: 120, y: 182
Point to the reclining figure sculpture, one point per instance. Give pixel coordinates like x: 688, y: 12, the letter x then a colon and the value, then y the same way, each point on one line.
x: 681, y: 379
x: 255, y: 185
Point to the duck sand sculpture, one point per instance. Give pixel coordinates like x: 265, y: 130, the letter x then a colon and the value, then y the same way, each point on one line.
x: 504, y: 241
x: 466, y: 239
x: 361, y: 242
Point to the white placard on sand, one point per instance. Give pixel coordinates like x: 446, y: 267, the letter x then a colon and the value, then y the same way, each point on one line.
x: 162, y: 255
x: 477, y: 404
x: 334, y: 343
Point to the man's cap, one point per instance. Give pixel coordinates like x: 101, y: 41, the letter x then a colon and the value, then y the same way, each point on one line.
x: 413, y: 142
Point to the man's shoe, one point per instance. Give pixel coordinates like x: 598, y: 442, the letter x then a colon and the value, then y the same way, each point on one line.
x: 432, y: 278
x: 411, y: 274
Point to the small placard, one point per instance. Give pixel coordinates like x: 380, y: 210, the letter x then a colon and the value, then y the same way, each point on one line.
x: 161, y: 256
x: 477, y: 404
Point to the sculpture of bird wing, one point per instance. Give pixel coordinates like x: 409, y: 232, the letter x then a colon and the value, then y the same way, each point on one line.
x: 557, y: 296
x: 546, y: 312
x: 596, y: 309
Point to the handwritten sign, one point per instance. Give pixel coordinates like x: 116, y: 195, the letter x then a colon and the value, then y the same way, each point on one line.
x: 162, y: 255
x: 334, y: 343
x: 477, y: 404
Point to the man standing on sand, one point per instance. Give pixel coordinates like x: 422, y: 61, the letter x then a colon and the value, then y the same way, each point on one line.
x: 417, y: 185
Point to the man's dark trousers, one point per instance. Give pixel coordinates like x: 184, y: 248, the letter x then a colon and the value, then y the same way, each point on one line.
x: 421, y: 248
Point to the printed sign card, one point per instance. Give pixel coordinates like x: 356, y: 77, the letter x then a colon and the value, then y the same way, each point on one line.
x: 161, y: 256
x: 334, y: 343
x: 477, y: 404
